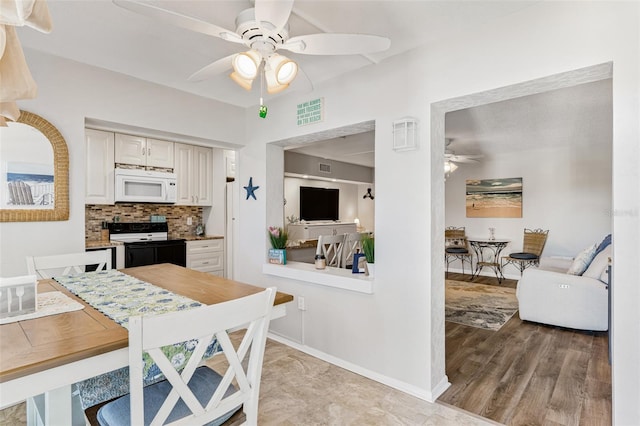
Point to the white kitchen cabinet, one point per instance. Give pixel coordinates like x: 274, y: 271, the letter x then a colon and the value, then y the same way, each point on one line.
x: 141, y: 151
x: 206, y: 256
x: 311, y: 231
x: 100, y: 167
x: 194, y: 170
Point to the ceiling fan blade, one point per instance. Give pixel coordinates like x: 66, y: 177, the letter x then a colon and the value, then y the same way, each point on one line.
x: 179, y: 20
x: 336, y: 44
x: 302, y: 82
x: 274, y: 11
x: 458, y: 159
x: 217, y: 67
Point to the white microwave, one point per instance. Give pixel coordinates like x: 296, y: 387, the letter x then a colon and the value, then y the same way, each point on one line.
x: 143, y: 186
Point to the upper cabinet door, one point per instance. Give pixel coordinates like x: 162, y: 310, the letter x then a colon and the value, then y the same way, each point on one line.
x: 99, y: 172
x: 203, y: 176
x: 160, y: 153
x: 131, y: 149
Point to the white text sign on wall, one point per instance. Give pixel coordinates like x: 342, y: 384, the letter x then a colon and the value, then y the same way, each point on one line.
x: 310, y: 112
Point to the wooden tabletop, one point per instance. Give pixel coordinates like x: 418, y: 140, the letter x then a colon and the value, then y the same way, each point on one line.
x: 31, y: 346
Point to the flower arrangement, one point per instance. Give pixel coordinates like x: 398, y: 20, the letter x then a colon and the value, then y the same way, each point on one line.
x: 368, y: 248
x: 278, y: 237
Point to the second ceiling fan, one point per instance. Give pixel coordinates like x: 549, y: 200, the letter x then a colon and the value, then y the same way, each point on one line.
x: 264, y: 29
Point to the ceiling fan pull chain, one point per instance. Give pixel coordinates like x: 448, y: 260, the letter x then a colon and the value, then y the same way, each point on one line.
x: 262, y: 112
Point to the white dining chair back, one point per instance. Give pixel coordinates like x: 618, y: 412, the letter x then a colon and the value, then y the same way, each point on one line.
x: 68, y: 264
x: 331, y: 247
x: 196, y: 395
x: 352, y: 245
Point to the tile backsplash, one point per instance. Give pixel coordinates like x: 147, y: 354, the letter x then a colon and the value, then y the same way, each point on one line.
x: 176, y: 216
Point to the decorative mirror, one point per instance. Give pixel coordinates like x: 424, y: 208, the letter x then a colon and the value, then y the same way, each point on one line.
x: 34, y: 171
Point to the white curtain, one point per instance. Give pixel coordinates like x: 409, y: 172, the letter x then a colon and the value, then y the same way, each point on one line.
x: 16, y: 81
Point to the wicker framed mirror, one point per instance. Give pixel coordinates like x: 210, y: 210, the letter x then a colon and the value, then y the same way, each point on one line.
x: 34, y: 171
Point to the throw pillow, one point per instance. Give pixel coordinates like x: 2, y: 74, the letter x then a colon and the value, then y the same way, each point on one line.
x: 582, y: 261
x: 604, y: 244
x: 598, y: 264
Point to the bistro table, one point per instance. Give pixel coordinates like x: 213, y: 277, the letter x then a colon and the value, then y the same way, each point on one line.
x: 45, y: 356
x: 491, y: 259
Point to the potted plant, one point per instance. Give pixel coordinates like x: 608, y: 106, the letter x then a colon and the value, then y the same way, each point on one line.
x: 278, y: 252
x: 368, y: 244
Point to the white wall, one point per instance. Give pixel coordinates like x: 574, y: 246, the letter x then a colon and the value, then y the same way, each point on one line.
x: 566, y: 190
x: 68, y: 92
x: 390, y: 333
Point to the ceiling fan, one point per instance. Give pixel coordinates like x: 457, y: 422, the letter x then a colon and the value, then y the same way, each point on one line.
x: 264, y: 29
x: 451, y: 156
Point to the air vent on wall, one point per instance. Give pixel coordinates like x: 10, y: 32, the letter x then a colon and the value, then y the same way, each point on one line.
x: 325, y: 168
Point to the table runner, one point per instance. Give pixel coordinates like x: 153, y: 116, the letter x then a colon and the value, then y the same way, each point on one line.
x: 119, y: 296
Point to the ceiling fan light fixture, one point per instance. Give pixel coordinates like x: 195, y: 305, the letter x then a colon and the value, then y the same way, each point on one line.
x: 246, y: 64
x: 449, y: 167
x: 245, y: 83
x: 273, y: 86
x: 285, y: 69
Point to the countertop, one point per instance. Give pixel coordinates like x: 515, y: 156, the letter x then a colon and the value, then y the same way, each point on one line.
x: 106, y: 244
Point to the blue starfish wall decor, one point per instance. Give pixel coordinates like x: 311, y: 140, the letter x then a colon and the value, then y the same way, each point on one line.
x: 251, y: 189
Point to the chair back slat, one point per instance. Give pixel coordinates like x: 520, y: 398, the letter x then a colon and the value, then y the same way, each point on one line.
x: 66, y: 264
x: 534, y: 241
x: 150, y: 333
x: 352, y: 244
x: 331, y: 247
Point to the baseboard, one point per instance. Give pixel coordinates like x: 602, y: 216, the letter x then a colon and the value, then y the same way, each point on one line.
x: 489, y: 273
x: 380, y: 378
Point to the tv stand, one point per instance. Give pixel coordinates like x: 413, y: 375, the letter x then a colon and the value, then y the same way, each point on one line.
x: 312, y: 230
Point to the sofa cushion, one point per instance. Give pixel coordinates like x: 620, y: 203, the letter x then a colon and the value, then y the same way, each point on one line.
x: 523, y: 256
x: 603, y: 245
x: 598, y: 264
x: 582, y: 261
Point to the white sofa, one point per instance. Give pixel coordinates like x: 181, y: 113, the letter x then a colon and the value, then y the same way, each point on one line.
x: 549, y: 295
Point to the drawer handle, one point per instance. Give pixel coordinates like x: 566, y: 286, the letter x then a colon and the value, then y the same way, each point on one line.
x: 205, y: 263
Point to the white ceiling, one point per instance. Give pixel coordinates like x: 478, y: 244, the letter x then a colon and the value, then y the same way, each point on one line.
x: 99, y: 33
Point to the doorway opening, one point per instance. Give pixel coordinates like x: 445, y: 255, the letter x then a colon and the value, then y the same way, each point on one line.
x: 439, y: 222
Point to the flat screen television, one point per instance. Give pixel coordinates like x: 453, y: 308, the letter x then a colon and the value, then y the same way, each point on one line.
x: 319, y: 203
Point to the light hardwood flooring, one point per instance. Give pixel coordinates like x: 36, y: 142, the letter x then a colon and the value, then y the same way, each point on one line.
x: 298, y: 389
x: 527, y: 373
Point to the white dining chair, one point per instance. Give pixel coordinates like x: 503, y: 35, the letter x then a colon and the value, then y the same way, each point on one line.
x: 352, y: 245
x: 66, y: 264
x: 331, y: 247
x: 196, y: 395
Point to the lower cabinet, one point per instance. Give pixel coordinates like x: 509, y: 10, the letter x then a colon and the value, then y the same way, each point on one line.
x: 206, y: 256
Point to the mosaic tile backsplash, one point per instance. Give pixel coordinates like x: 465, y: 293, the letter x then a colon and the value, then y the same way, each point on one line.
x: 176, y: 216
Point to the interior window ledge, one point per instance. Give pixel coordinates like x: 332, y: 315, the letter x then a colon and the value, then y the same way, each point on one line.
x: 330, y: 277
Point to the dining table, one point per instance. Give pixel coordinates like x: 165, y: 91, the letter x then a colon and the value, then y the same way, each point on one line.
x: 41, y: 358
x: 487, y: 251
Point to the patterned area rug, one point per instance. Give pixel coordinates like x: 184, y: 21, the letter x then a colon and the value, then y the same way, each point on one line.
x: 479, y: 305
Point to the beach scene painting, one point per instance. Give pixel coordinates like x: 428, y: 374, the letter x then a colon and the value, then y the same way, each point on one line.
x: 494, y: 197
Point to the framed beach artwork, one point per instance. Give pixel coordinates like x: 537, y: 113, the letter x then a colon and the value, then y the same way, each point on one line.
x: 494, y: 197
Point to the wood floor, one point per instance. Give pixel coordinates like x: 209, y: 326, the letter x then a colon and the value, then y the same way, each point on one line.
x: 527, y: 373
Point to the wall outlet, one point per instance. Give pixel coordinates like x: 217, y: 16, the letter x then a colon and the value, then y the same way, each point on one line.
x: 301, y: 304
x: 189, y: 220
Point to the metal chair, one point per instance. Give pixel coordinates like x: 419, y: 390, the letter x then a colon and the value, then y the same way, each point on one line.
x: 195, y: 395
x: 532, y: 246
x: 65, y: 264
x: 331, y: 247
x: 456, y: 247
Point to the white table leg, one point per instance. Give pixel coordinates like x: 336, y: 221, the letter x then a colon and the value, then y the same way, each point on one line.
x: 51, y: 408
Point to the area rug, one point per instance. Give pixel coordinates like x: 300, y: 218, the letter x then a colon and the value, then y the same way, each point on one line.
x: 479, y: 305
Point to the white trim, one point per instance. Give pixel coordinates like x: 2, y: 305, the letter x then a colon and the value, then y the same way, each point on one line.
x: 380, y: 378
x: 330, y: 277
